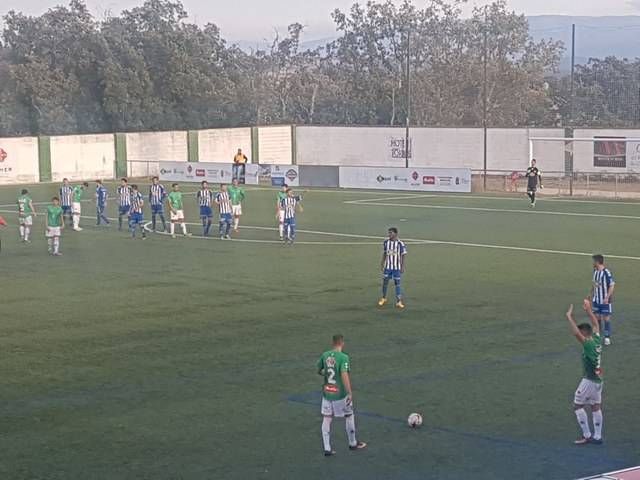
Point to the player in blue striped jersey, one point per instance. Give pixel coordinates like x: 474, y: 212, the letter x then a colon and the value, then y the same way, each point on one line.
x: 136, y: 218
x: 205, y: 201
x: 157, y: 196
x: 393, y: 253
x: 602, y: 295
x: 66, y: 199
x: 101, y: 203
x: 289, y: 205
x: 226, y: 211
x: 124, y: 201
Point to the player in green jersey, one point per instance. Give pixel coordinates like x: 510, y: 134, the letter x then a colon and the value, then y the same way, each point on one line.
x: 26, y: 212
x: 76, y: 205
x: 237, y: 196
x: 176, y: 207
x: 54, y: 226
x: 337, y: 396
x: 282, y: 194
x: 589, y: 391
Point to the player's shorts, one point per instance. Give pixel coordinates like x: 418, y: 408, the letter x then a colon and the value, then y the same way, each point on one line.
x: 136, y: 218
x: 392, y: 274
x: 178, y: 215
x: 206, y: 212
x: 52, y: 232
x: 66, y: 209
x: 336, y: 408
x: 290, y: 221
x: 237, y: 210
x: 281, y: 216
x: 602, y: 309
x: 124, y: 209
x: 76, y: 208
x: 532, y: 189
x: 26, y: 221
x: 226, y: 218
x: 157, y: 209
x: 588, y: 393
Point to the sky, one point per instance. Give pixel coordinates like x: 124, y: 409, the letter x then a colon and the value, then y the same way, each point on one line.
x: 255, y: 20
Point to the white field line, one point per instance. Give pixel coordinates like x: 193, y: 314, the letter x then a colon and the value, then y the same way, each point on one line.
x: 417, y: 241
x: 464, y: 196
x: 499, y: 210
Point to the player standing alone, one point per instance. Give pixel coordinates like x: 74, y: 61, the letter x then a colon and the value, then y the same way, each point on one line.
x: 393, y: 253
x: 54, y: 224
x: 337, y: 395
x: 66, y: 199
x: 26, y: 212
x: 226, y: 211
x: 289, y: 205
x: 176, y: 206
x: 602, y: 295
x: 101, y: 203
x: 589, y: 391
x: 124, y: 201
x: 534, y: 177
x: 237, y: 195
x: 157, y: 194
x: 205, y: 201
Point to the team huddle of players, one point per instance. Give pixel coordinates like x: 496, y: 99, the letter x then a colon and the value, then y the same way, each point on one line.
x: 131, y: 202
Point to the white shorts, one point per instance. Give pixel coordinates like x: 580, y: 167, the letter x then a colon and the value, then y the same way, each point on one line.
x: 52, y: 232
x: 281, y: 216
x: 76, y: 208
x: 588, y: 393
x: 177, y: 216
x: 27, y: 221
x: 336, y: 408
x: 237, y: 210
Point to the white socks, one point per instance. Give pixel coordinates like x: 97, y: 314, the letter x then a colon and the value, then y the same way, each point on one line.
x: 184, y: 228
x: 53, y: 245
x: 76, y: 220
x: 236, y: 223
x: 281, y: 229
x: 583, y: 421
x: 326, y: 433
x: 50, y: 245
x: 350, y: 424
x: 172, y: 228
x: 27, y: 232
x: 597, y: 424
x: 21, y: 232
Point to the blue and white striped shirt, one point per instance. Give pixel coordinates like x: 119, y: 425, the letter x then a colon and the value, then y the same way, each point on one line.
x: 393, y: 250
x: 288, y: 204
x: 66, y: 192
x: 124, y: 196
x: 137, y: 201
x: 224, y: 202
x: 101, y: 195
x: 157, y: 194
x: 602, y: 281
x: 205, y: 198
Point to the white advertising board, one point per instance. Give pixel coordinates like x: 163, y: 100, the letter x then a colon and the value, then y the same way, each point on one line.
x: 411, y: 179
x: 195, y: 172
x: 19, y: 160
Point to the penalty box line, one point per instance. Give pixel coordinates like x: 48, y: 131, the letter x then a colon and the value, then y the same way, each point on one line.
x: 416, y: 241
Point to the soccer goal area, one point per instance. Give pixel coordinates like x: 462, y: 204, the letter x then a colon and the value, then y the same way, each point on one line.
x: 592, y: 166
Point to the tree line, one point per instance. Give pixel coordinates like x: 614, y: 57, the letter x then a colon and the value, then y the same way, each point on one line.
x: 150, y: 69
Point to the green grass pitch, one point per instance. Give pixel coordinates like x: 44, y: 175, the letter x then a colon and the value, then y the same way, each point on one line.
x: 195, y: 359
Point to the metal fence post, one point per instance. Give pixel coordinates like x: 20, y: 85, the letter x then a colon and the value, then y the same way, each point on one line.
x: 615, y: 194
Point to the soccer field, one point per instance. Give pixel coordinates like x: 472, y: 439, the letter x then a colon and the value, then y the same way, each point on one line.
x: 195, y: 359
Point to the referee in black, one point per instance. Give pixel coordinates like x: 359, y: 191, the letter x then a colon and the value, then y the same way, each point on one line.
x: 534, y: 178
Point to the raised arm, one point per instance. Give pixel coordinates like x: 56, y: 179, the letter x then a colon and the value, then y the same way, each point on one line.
x: 595, y: 323
x: 574, y: 327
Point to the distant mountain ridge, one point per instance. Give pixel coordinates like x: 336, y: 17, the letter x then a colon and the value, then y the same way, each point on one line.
x: 596, y: 37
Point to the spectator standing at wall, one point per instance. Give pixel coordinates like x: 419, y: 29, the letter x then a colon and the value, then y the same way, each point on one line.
x: 239, y: 162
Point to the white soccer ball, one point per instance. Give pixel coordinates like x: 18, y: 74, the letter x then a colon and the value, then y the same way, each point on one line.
x: 414, y: 420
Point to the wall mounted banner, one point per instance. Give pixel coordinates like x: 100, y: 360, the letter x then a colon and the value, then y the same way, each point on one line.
x: 411, y: 179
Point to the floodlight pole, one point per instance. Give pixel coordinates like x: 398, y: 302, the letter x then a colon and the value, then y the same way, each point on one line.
x: 484, y: 99
x: 407, y: 137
